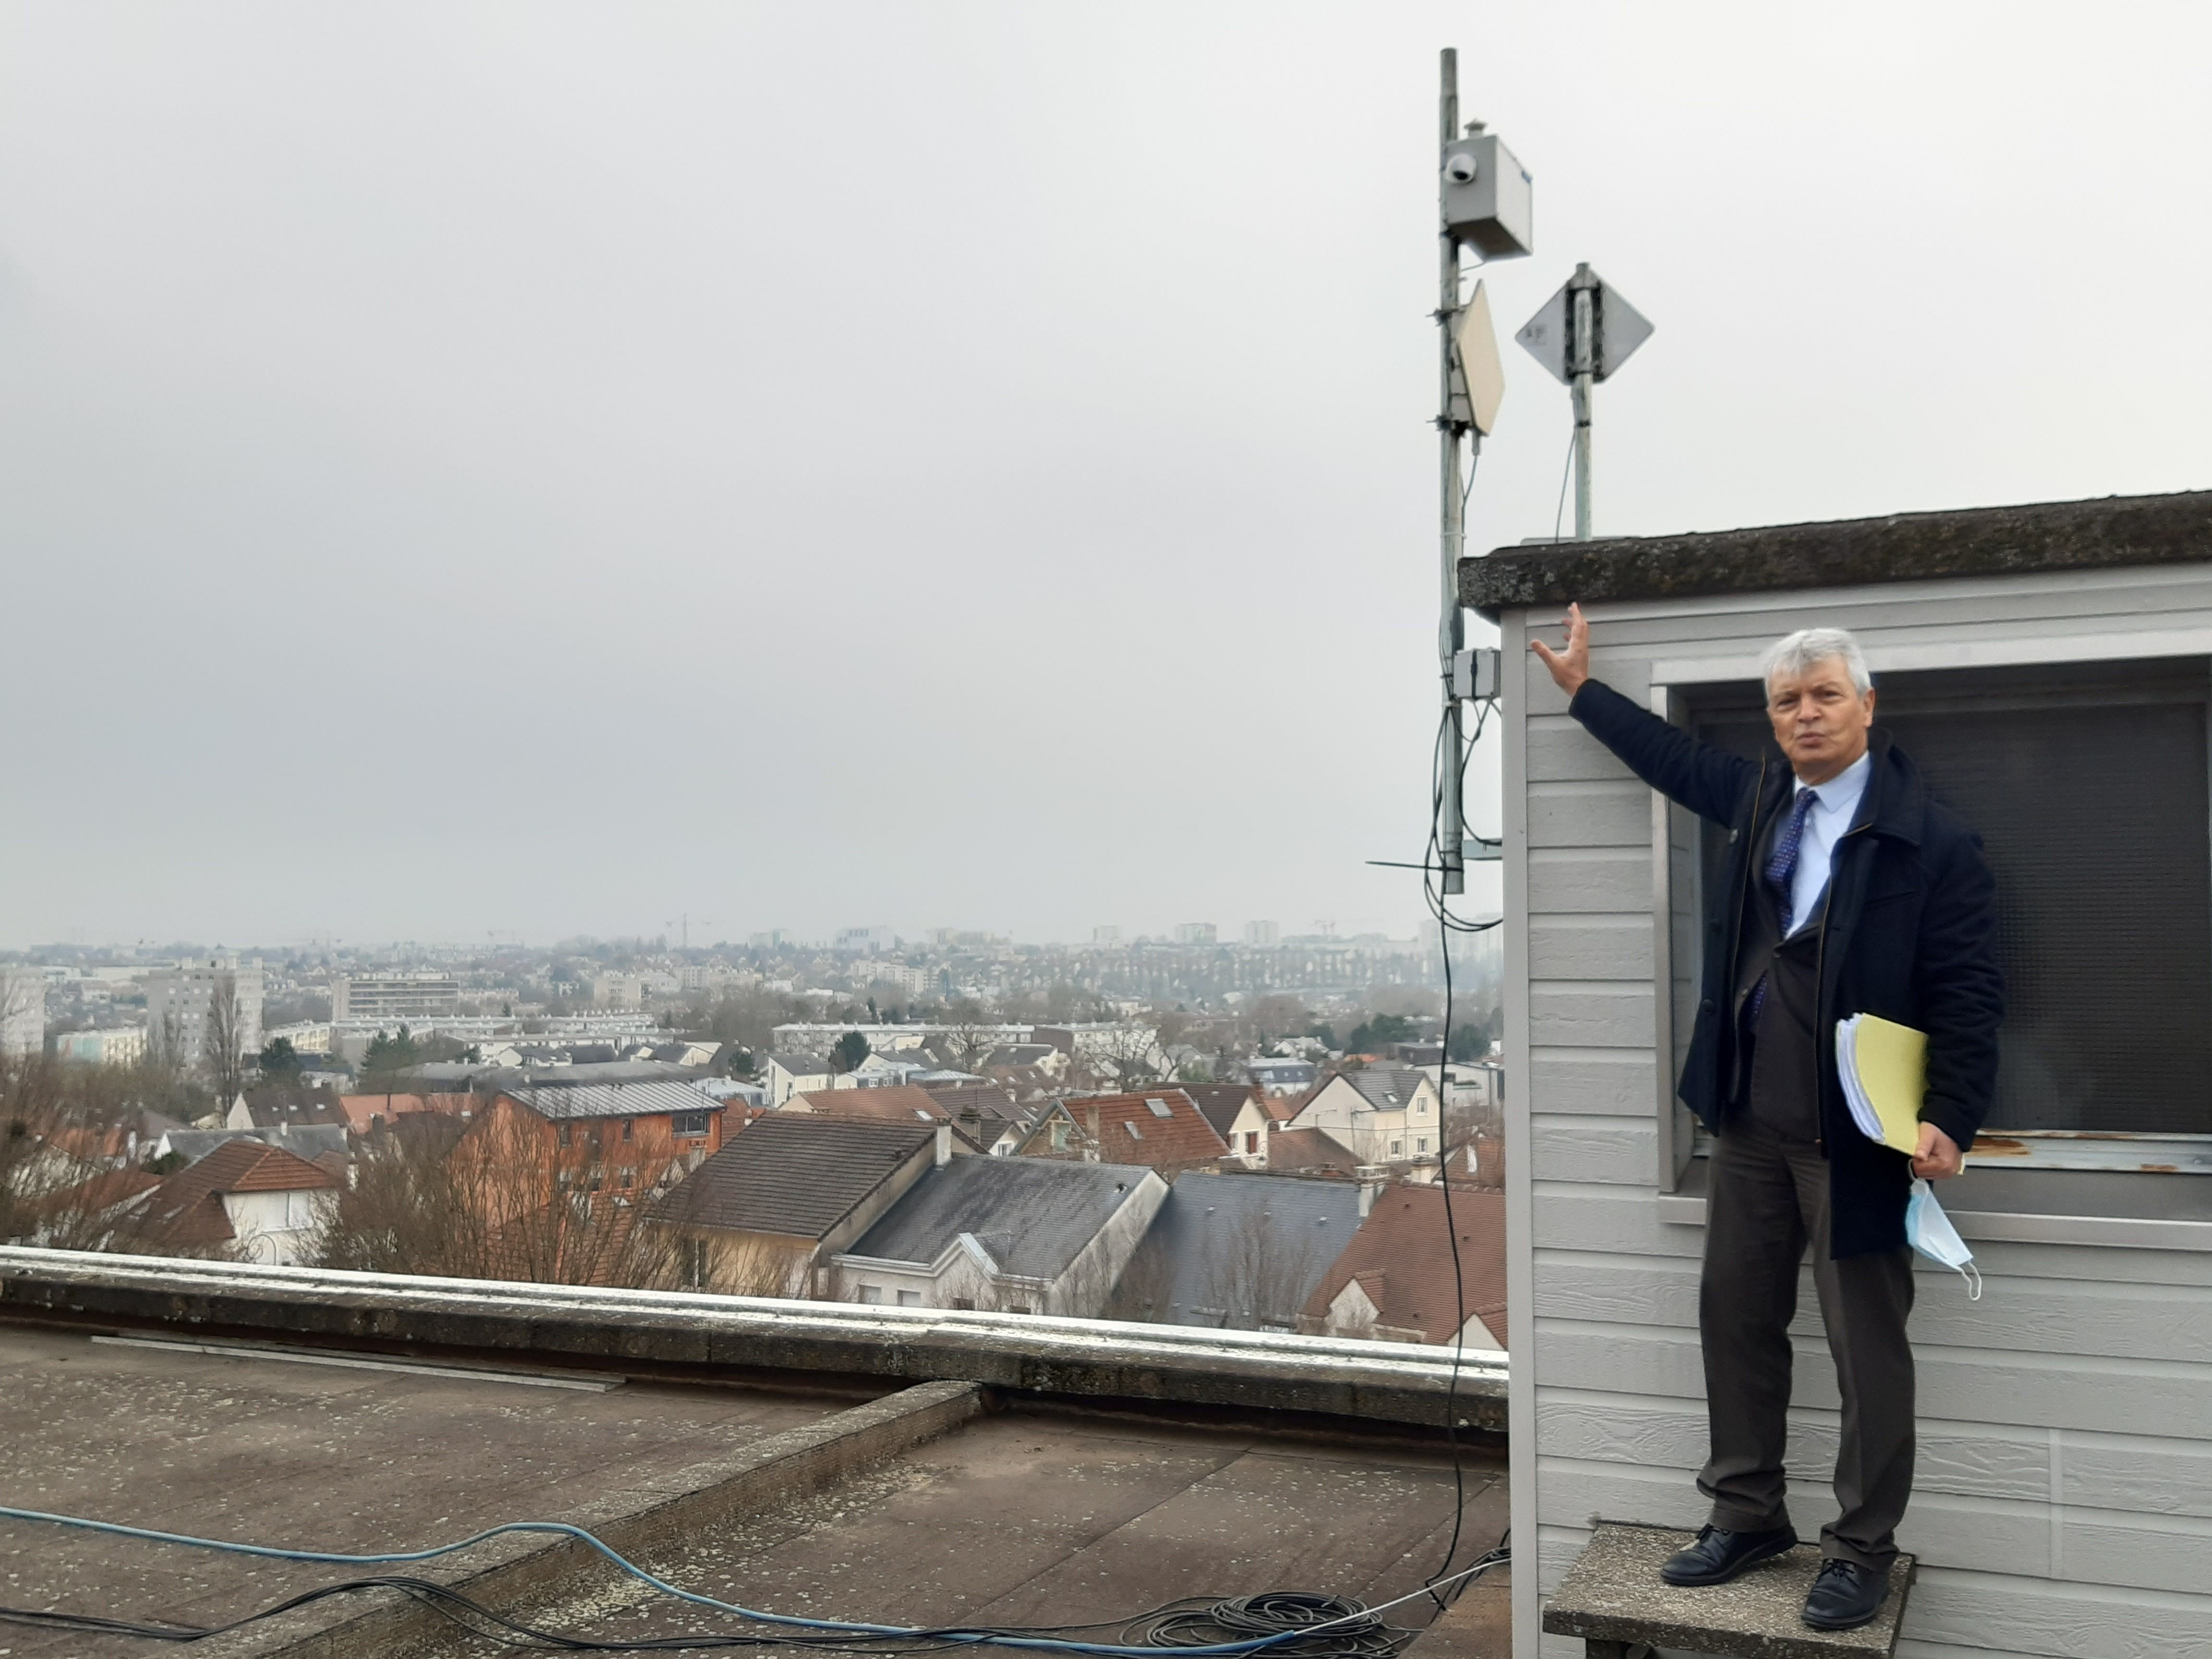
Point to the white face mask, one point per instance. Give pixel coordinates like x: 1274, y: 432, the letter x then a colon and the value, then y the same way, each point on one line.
x: 1930, y: 1231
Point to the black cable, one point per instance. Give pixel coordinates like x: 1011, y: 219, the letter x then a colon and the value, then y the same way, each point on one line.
x: 1192, y: 1621
x: 1566, y: 472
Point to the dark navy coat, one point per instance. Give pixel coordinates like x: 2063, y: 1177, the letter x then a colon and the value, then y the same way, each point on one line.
x: 1910, y: 935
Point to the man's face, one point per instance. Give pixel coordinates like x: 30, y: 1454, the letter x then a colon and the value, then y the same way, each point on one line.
x: 1821, y: 719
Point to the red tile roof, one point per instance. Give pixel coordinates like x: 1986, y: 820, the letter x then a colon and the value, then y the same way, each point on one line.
x: 187, y: 1208
x: 362, y: 1110
x: 895, y: 1104
x: 1401, y: 1256
x: 1162, y: 1127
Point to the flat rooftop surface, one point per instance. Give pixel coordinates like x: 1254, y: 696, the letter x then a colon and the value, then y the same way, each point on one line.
x: 305, y: 1456
x: 1031, y: 1516
x: 1045, y: 1518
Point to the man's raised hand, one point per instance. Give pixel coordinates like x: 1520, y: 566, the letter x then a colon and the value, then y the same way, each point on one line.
x: 1569, y: 667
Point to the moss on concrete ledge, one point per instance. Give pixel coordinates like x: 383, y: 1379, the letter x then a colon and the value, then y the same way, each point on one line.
x: 1995, y: 540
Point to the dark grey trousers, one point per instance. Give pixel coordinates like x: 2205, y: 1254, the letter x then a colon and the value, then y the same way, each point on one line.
x: 1769, y: 1195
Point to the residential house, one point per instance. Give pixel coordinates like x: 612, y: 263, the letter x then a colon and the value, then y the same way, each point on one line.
x: 1236, y: 1111
x: 886, y: 1105
x: 1019, y: 1235
x: 245, y: 1198
x: 880, y: 1071
x: 623, y: 1138
x: 685, y: 1052
x: 788, y: 1074
x: 1388, y: 1115
x: 986, y: 1115
x: 1283, y: 1077
x: 97, y: 1213
x: 363, y: 1113
x: 762, y: 1215
x: 1239, y: 1252
x: 272, y: 1111
x: 1397, y: 1282
x: 1310, y: 1152
x: 1163, y: 1128
x: 1107, y: 1049
x: 1041, y: 1057
x: 324, y: 1144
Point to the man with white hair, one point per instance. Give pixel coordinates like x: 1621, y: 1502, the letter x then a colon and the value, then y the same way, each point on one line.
x: 1849, y: 890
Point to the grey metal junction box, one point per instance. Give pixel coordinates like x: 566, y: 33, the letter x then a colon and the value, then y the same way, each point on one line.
x: 1488, y: 201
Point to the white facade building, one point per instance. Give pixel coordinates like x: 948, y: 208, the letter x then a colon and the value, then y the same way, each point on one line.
x: 22, y: 1011
x: 178, y: 1001
x: 118, y: 1045
x: 1384, y: 1114
x: 394, y: 996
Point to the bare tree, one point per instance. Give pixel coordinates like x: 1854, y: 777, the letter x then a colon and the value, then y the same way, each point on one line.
x: 222, y: 1040
x: 1260, y: 1277
x: 501, y: 1197
x: 68, y: 1178
x: 1142, y: 1291
x: 969, y: 1043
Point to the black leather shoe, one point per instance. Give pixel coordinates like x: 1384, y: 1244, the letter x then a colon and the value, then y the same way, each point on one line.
x: 1719, y: 1554
x: 1845, y: 1596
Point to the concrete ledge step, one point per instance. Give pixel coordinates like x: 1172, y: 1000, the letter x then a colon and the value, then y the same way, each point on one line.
x: 1612, y: 1597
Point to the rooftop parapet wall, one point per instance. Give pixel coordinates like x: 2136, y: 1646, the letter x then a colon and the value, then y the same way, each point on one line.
x: 1252, y: 1372
x: 1994, y: 541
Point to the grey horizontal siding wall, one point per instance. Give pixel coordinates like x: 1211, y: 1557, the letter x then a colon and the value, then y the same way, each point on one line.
x: 2063, y: 1507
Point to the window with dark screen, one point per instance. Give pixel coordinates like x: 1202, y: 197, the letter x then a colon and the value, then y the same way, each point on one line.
x: 2088, y: 785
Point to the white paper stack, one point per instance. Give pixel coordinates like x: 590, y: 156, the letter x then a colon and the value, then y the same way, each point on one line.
x: 1884, y: 1067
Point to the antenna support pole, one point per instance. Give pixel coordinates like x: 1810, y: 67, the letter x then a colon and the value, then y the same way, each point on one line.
x: 1582, y: 335
x: 1451, y: 633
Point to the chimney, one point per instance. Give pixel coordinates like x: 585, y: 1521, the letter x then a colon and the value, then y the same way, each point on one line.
x: 1368, y: 1189
x: 1098, y: 1140
x: 943, y: 1145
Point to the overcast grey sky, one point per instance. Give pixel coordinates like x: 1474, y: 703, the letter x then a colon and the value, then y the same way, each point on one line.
x: 545, y: 468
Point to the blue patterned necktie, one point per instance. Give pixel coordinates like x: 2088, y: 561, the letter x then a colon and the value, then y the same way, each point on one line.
x: 1781, y: 868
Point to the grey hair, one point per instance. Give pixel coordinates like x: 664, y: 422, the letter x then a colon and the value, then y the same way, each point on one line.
x: 1798, y: 652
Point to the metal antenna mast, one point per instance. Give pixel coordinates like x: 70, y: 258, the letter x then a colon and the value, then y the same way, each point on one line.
x: 1482, y: 202
x: 1451, y: 633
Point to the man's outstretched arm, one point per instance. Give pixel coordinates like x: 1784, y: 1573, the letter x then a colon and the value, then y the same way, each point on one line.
x: 1710, y: 781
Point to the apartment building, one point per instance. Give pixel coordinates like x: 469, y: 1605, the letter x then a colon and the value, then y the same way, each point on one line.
x: 394, y: 997
x: 189, y: 1003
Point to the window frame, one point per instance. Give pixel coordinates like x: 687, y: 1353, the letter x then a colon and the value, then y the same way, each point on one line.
x: 2049, y: 1199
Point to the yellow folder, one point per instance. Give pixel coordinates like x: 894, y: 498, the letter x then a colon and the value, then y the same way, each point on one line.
x: 1885, y: 1075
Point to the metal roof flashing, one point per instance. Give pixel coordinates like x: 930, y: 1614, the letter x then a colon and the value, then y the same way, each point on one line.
x: 2110, y: 531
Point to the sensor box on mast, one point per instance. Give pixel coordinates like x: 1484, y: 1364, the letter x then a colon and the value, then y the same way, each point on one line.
x: 1488, y: 200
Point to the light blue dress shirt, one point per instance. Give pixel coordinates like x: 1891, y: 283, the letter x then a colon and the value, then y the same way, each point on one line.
x: 1824, y: 825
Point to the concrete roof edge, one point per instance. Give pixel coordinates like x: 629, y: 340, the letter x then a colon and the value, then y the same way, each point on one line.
x: 1387, y: 1382
x: 2108, y: 531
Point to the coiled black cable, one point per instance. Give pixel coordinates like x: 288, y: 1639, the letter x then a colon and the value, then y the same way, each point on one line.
x: 1353, y: 1632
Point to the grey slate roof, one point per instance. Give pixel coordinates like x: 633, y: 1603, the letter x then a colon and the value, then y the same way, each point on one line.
x: 1386, y: 1088
x: 797, y: 1065
x: 557, y: 1101
x: 305, y: 1141
x: 1223, y: 1244
x: 2116, y: 530
x: 793, y: 1173
x: 1218, y: 1103
x: 1033, y: 1215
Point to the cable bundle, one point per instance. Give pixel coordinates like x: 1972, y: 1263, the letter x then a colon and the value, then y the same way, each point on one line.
x: 1326, y: 1626
x: 1289, y: 1622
